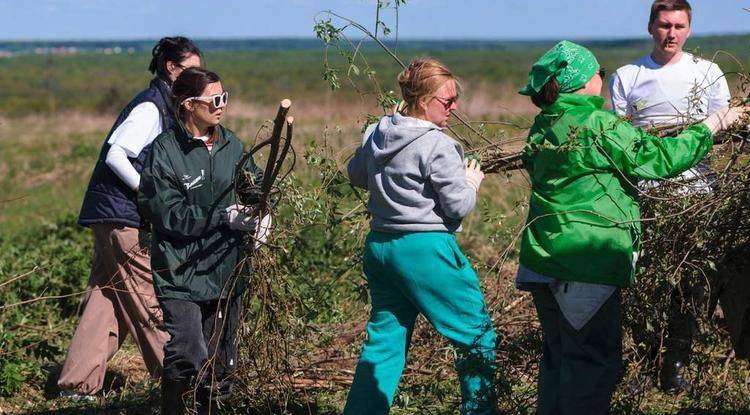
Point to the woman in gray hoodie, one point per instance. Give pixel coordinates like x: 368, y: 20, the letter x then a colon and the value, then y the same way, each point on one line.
x: 420, y: 189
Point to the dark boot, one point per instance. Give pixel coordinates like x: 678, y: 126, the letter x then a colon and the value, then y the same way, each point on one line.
x: 206, y: 405
x: 206, y: 401
x: 674, y: 366
x: 172, y: 392
x: 673, y: 379
x: 681, y: 329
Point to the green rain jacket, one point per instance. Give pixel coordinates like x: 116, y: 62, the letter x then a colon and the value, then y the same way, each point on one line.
x: 584, y: 163
x: 184, y: 193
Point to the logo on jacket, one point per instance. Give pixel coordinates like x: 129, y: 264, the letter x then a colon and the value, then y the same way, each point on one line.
x: 195, y: 183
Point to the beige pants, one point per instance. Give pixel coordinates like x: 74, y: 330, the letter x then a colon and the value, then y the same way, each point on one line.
x: 120, y: 300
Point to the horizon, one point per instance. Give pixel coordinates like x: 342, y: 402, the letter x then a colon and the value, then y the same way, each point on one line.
x: 367, y: 40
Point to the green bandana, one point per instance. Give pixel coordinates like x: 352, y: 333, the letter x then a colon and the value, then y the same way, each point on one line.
x: 572, y: 65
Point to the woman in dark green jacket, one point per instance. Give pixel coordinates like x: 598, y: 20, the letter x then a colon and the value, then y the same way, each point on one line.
x: 187, y: 196
x: 581, y: 238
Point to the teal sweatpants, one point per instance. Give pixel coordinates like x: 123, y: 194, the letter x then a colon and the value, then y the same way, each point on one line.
x: 422, y: 272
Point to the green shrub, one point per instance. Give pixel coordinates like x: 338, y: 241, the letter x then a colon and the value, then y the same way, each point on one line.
x: 51, y: 264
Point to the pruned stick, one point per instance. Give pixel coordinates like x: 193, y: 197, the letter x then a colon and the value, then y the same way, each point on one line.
x: 278, y: 125
x: 720, y: 137
x: 276, y: 133
x: 470, y: 127
x: 268, y: 176
x: 287, y: 145
x: 503, y: 163
x: 515, y: 303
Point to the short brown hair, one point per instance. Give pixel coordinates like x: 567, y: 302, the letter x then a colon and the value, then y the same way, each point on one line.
x: 668, y: 6
x: 422, y: 78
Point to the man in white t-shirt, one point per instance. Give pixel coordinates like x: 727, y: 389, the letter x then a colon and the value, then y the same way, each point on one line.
x: 672, y: 87
x: 669, y: 86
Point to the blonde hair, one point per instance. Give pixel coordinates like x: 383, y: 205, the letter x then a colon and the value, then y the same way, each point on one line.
x: 422, y: 78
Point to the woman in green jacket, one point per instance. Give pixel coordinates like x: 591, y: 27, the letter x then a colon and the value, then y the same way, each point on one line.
x: 581, y: 238
x: 187, y: 195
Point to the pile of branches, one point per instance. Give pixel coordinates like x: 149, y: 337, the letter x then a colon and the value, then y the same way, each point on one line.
x: 695, y: 254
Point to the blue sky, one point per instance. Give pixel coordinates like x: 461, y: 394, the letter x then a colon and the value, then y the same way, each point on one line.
x: 423, y: 19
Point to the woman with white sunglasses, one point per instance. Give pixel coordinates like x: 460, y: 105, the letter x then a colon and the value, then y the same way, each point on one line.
x: 188, y: 196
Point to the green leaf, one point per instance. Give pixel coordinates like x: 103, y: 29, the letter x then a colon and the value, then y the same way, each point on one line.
x: 325, y: 31
x: 331, y: 75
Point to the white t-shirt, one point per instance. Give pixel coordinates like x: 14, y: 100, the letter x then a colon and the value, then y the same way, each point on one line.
x: 139, y: 129
x: 683, y: 92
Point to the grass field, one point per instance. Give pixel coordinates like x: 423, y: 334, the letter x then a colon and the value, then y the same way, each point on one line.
x: 55, y: 112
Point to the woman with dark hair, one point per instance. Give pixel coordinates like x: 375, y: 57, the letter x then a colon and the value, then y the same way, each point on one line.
x: 120, y: 298
x: 421, y: 188
x: 188, y: 196
x: 583, y: 230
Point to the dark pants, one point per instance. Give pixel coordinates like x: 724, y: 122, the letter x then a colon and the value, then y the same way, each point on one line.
x: 579, y: 368
x: 203, y: 344
x: 685, y: 302
x: 734, y: 292
x: 691, y: 296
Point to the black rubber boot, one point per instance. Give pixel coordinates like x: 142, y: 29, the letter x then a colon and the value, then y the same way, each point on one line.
x: 172, y: 392
x: 673, y: 379
x: 678, y: 344
x: 207, y: 399
x: 206, y: 406
x: 681, y: 329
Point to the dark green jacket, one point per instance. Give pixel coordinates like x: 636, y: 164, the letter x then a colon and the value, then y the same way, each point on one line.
x: 584, y: 163
x: 184, y: 193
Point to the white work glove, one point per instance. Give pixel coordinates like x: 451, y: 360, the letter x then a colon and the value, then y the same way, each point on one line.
x: 241, y: 218
x: 262, y: 230
x: 474, y: 175
x: 725, y: 117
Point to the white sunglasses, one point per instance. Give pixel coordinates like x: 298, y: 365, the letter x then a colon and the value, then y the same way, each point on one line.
x: 218, y: 100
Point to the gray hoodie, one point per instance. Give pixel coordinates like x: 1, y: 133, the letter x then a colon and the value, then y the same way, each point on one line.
x: 415, y: 175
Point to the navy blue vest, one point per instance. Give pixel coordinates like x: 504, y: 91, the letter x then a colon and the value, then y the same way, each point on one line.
x: 108, y: 199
